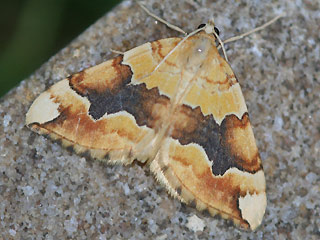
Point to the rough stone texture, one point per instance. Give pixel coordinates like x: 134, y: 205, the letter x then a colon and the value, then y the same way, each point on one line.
x: 48, y: 193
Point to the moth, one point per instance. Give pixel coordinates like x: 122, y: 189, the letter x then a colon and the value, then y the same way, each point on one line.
x: 174, y: 104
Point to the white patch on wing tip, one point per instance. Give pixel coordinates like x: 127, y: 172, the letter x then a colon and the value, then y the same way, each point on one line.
x: 252, y: 208
x: 42, y: 110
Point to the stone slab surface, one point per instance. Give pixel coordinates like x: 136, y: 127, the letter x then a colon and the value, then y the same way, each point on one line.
x: 47, y: 192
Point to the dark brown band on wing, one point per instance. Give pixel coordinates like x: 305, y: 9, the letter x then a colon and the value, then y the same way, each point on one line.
x: 231, y: 144
x: 226, y: 145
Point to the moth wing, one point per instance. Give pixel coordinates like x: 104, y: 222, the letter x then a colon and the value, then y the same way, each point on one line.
x: 189, y: 175
x: 211, y: 160
x: 98, y: 109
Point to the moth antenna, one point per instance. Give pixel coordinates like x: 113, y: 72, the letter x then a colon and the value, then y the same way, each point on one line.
x: 221, y: 45
x: 254, y: 30
x: 161, y: 20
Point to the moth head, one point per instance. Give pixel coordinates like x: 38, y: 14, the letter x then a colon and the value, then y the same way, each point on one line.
x: 209, y: 28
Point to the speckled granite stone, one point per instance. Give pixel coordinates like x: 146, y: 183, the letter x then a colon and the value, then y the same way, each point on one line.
x: 48, y: 193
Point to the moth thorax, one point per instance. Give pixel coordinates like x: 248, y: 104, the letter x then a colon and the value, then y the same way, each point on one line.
x: 197, y: 54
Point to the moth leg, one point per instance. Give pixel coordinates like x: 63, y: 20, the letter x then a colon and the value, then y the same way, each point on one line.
x: 148, y: 148
x: 116, y: 51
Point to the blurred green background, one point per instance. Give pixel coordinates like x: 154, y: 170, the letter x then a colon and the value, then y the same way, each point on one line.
x: 34, y: 30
